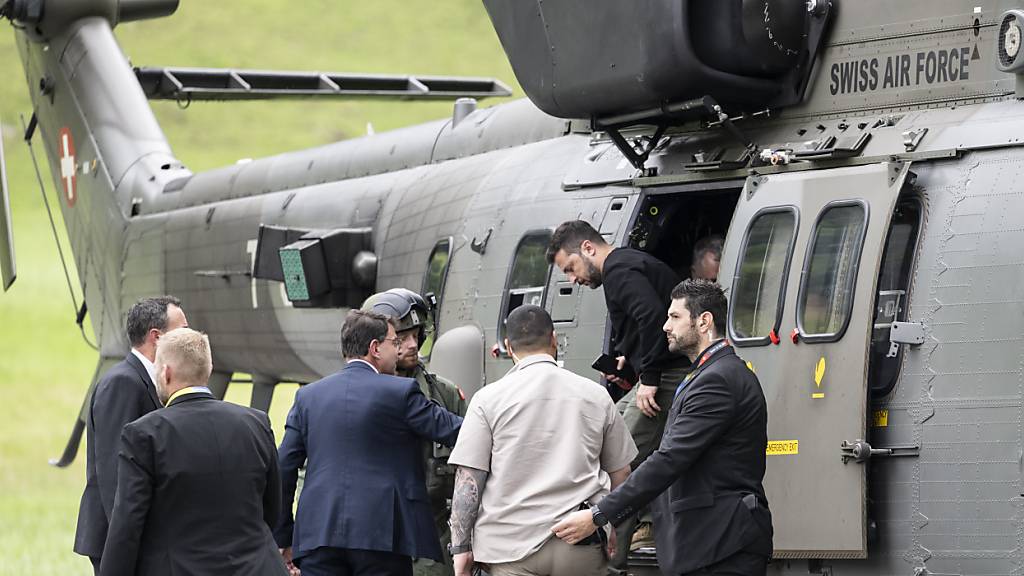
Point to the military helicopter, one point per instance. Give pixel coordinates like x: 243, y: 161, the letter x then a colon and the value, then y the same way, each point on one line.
x: 862, y: 160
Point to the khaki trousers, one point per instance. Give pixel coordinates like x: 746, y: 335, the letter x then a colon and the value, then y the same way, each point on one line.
x: 556, y: 558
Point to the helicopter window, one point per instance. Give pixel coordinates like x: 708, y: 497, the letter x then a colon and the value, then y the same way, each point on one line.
x: 760, y: 275
x: 433, y: 283
x: 891, y: 299
x: 830, y: 272
x: 527, y: 278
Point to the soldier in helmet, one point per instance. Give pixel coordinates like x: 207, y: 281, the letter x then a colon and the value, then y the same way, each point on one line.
x: 411, y: 314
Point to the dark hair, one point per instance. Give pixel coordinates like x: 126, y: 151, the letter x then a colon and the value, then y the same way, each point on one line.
x: 568, y: 237
x: 703, y: 296
x: 147, y: 314
x: 712, y: 243
x: 360, y: 328
x: 529, y: 327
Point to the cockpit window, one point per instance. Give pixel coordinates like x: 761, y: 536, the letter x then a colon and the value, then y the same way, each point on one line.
x: 830, y: 272
x: 759, y: 283
x: 527, y: 278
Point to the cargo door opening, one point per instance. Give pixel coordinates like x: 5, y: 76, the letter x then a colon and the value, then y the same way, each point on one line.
x: 670, y: 225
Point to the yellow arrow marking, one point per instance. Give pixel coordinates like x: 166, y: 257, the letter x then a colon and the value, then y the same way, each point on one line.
x: 819, y: 372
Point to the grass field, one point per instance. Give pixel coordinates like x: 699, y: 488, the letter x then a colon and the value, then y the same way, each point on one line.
x: 45, y: 365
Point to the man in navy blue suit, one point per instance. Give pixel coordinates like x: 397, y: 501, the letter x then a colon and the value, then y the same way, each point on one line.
x: 364, y: 508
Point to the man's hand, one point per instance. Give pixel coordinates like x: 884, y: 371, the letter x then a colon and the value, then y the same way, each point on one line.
x: 575, y: 527
x: 620, y: 382
x: 613, y: 541
x: 645, y: 400
x: 463, y: 563
x: 286, y: 554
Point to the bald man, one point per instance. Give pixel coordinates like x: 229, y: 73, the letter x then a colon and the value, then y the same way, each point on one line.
x: 198, y: 489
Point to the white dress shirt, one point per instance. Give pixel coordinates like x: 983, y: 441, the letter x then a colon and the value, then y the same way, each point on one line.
x: 365, y: 362
x: 149, y: 366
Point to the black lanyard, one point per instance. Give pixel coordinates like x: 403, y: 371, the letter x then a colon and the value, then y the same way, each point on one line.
x: 714, y: 349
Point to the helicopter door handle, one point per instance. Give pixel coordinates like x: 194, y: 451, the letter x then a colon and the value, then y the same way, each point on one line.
x: 860, y: 451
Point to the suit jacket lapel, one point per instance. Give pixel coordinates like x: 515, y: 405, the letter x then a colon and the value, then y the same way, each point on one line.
x: 150, y: 386
x: 696, y: 372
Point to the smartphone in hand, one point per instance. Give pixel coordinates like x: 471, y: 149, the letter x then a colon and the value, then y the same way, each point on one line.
x: 608, y: 364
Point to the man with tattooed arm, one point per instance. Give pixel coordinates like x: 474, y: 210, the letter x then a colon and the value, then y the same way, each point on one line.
x: 538, y: 444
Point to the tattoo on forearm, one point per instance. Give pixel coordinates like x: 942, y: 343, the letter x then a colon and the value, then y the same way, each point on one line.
x: 469, y: 485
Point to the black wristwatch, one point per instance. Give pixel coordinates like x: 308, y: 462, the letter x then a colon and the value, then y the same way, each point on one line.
x: 453, y: 549
x: 598, y: 516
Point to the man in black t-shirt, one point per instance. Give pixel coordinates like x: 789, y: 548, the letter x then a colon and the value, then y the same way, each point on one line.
x: 637, y: 291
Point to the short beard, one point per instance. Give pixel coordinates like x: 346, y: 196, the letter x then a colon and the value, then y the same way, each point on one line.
x: 594, y: 278
x: 684, y: 346
x: 402, y: 368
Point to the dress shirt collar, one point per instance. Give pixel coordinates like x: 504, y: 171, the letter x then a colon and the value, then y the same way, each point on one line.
x: 372, y: 367
x: 149, y: 366
x: 188, y: 390
x: 534, y: 359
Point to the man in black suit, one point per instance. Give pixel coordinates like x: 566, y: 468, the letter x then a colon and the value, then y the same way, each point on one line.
x: 364, y: 508
x: 710, y: 511
x: 125, y: 393
x: 198, y: 491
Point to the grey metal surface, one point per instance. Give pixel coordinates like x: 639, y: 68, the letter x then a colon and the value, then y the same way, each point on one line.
x: 199, y: 84
x: 458, y: 356
x: 907, y: 333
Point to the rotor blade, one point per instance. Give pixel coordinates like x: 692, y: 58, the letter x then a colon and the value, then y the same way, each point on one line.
x: 8, y: 268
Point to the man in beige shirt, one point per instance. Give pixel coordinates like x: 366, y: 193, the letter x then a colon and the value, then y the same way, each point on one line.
x: 535, y: 445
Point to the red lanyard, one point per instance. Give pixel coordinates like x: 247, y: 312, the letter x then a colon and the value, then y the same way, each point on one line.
x: 714, y: 349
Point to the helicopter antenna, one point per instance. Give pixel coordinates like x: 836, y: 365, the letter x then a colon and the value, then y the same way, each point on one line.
x: 79, y: 311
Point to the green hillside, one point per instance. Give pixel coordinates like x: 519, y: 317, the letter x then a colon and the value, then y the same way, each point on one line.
x: 45, y: 365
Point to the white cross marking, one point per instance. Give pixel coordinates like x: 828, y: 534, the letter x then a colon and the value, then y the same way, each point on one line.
x: 67, y: 166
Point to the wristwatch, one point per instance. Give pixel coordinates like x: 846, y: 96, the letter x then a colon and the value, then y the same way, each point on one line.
x: 453, y: 549
x: 598, y: 516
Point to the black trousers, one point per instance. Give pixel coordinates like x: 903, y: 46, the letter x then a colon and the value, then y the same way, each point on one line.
x: 328, y: 561
x: 739, y: 564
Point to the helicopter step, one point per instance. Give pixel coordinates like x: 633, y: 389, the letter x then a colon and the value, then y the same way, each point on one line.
x: 196, y: 84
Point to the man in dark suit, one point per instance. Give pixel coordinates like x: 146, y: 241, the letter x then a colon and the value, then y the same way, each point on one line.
x: 198, y: 491
x: 710, y: 511
x: 125, y: 393
x: 364, y: 508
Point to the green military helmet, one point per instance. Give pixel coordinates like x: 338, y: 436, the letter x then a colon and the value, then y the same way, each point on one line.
x: 408, y: 308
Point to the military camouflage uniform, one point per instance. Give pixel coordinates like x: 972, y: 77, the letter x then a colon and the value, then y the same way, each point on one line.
x: 439, y: 475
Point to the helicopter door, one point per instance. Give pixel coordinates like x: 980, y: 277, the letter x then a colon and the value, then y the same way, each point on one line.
x: 565, y: 295
x: 800, y: 264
